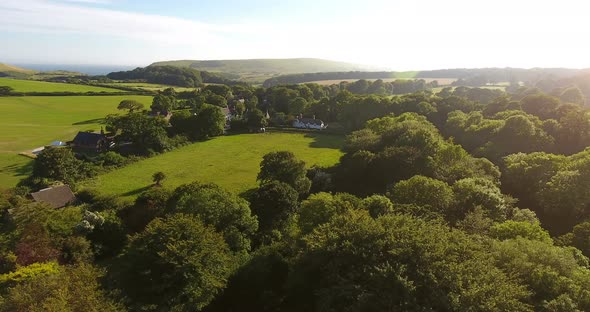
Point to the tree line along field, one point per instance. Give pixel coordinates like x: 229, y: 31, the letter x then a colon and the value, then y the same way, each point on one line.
x: 33, y: 121
x: 231, y: 161
x: 148, y: 86
x: 43, y: 86
x: 441, y: 81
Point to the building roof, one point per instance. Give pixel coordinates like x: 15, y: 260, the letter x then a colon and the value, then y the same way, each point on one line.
x: 310, y: 121
x: 57, y: 197
x: 88, y: 138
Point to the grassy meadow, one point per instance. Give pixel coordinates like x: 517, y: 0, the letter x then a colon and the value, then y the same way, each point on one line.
x: 43, y: 86
x: 33, y: 121
x: 231, y: 161
x: 148, y: 86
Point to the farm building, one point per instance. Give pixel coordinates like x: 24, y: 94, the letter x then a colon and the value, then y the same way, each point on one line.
x: 91, y: 141
x: 309, y: 123
x: 57, y: 197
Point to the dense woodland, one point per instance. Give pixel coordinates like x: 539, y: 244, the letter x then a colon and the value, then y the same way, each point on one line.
x: 170, y: 75
x: 469, y: 199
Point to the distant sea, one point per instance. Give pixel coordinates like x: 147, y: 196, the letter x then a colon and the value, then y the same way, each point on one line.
x: 85, y: 69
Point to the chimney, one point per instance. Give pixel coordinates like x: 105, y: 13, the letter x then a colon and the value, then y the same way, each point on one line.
x: 314, y: 117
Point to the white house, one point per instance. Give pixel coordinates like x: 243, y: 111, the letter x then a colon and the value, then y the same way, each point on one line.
x: 309, y: 123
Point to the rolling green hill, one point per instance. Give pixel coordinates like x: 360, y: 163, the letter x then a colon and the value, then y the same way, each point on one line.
x: 13, y: 71
x: 258, y: 70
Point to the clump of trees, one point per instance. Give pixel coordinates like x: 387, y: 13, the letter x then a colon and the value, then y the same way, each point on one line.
x: 170, y: 75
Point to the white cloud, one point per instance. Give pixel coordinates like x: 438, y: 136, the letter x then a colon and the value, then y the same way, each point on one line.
x: 52, y: 17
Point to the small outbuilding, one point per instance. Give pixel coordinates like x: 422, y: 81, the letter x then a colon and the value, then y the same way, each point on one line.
x: 57, y: 196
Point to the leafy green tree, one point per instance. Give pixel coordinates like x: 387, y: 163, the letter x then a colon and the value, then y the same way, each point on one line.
x: 5, y: 90
x: 258, y: 285
x: 548, y: 271
x: 176, y: 264
x: 149, y: 205
x: 397, y: 263
x: 274, y: 203
x: 183, y: 122
x: 251, y: 103
x: 158, y: 177
x: 524, y: 175
x: 163, y: 103
x: 171, y: 92
x: 473, y: 192
x: 130, y: 105
x: 239, y: 108
x: 574, y: 132
x: 72, y: 288
x: 283, y: 166
x: 540, y: 105
x: 378, y: 205
x: 298, y: 106
x: 210, y: 121
x: 216, y: 100
x: 109, y: 238
x: 423, y: 191
x: 362, y: 140
x: 60, y: 164
x: 147, y: 133
x: 256, y: 119
x: 573, y: 95
x: 513, y: 229
x: 196, y: 102
x: 214, y: 206
x: 320, y: 208
x: 76, y: 249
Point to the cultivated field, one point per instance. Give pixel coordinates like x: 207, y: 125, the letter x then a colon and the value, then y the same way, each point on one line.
x: 230, y: 161
x: 43, y: 86
x: 441, y: 81
x: 34, y: 121
x: 494, y: 87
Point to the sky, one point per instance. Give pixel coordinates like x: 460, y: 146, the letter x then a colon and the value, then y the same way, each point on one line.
x: 386, y: 34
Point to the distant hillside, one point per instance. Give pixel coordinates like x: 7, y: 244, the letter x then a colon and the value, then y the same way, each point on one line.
x: 258, y: 70
x: 467, y: 76
x: 13, y: 71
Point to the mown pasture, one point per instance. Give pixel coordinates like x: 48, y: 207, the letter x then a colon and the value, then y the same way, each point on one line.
x: 33, y: 121
x: 231, y: 161
x: 44, y: 86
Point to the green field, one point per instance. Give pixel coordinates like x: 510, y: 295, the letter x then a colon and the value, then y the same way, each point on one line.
x: 43, y: 86
x: 148, y: 86
x: 33, y: 121
x: 230, y: 161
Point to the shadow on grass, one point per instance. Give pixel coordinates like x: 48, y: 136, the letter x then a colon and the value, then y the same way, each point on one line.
x: 323, y: 140
x: 137, y: 191
x: 18, y: 170
x: 88, y: 122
